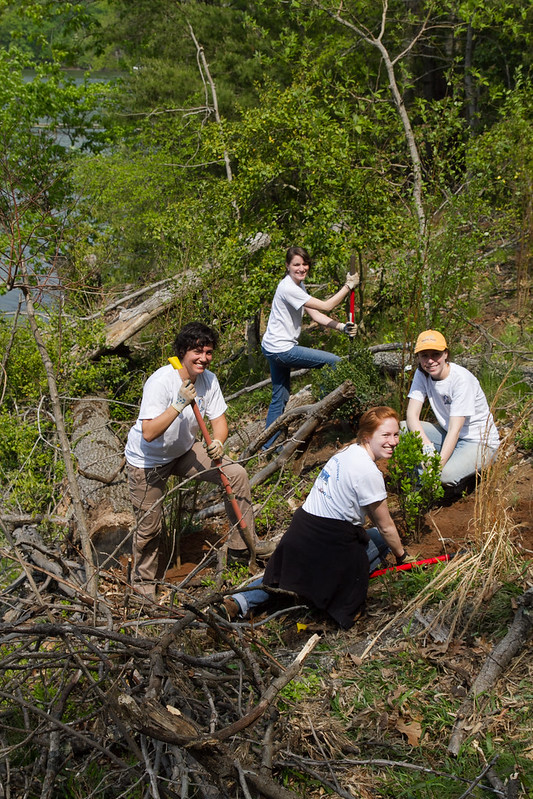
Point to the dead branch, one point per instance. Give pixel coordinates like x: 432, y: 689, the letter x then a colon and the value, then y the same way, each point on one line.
x: 315, y: 414
x: 519, y: 633
x: 131, y: 320
x: 92, y: 580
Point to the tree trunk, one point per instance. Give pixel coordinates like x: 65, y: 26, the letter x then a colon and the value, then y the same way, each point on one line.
x: 102, y: 478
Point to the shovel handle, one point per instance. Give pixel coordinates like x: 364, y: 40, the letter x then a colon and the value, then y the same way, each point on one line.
x: 405, y: 567
x: 176, y: 363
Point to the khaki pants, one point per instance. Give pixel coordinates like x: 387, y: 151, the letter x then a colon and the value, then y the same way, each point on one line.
x: 147, y: 489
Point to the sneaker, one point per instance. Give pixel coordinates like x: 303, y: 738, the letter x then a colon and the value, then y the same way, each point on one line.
x: 230, y: 609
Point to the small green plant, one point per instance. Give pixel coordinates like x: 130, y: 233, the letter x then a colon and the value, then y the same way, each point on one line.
x: 524, y: 436
x: 235, y: 574
x: 415, y: 477
x: 306, y: 685
x: 361, y: 370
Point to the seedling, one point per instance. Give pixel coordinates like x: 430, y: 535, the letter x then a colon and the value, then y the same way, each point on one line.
x: 416, y: 479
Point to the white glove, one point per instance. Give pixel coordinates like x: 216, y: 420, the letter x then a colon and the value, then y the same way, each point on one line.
x: 352, y: 280
x: 186, y: 395
x: 215, y: 449
x: 350, y: 328
x: 428, y: 449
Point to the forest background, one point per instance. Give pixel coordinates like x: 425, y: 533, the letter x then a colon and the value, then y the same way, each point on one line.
x: 198, y: 142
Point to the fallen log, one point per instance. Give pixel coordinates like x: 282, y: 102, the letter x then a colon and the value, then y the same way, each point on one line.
x: 519, y: 632
x: 130, y: 321
x: 101, y: 477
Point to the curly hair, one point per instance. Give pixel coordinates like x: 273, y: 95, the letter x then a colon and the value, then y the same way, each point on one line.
x: 194, y: 335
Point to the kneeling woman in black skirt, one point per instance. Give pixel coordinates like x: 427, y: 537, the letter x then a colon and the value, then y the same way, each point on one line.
x: 326, y: 555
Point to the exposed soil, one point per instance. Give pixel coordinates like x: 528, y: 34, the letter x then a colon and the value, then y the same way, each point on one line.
x: 448, y: 526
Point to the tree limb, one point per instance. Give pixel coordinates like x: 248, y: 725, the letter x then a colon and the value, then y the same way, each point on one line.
x: 520, y: 631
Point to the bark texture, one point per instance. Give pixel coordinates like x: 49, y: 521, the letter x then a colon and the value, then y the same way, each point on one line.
x: 102, y: 477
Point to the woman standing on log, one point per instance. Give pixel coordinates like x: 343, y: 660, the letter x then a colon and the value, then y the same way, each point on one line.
x: 465, y: 434
x: 280, y: 341
x: 326, y: 555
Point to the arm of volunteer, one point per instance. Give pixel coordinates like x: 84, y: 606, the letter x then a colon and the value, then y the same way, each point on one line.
x: 314, y: 304
x: 322, y: 319
x: 153, y: 428
x: 380, y: 515
x: 452, y: 437
x: 219, y: 427
x: 412, y: 417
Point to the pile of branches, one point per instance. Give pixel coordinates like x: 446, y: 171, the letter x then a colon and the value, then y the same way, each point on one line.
x: 122, y: 698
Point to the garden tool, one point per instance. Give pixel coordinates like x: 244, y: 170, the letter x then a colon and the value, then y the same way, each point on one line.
x: 403, y: 567
x: 351, y: 306
x: 245, y: 532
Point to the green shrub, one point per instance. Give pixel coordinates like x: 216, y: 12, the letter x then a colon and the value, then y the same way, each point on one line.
x: 418, y: 488
x: 30, y: 472
x: 524, y: 437
x: 359, y: 367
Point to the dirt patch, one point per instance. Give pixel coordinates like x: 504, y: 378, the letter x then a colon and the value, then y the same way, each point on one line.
x: 448, y: 527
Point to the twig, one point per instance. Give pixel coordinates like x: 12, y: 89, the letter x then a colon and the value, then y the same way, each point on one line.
x: 478, y: 778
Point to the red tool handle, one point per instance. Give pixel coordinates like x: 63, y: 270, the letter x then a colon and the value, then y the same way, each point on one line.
x: 404, y: 567
x: 351, y: 304
x: 205, y: 432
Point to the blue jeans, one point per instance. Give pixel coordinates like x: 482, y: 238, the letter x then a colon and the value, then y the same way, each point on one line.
x: 376, y: 550
x: 467, y: 458
x: 280, y: 371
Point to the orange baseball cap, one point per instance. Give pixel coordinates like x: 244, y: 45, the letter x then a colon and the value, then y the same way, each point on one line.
x: 431, y: 340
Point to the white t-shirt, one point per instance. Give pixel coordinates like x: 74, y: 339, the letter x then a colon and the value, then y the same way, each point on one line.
x: 348, y: 482
x: 459, y: 394
x: 161, y: 390
x: 285, y: 321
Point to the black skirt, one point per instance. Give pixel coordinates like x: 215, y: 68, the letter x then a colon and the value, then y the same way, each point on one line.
x: 325, y: 562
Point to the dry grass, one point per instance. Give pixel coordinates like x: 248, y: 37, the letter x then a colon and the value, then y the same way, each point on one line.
x: 475, y: 575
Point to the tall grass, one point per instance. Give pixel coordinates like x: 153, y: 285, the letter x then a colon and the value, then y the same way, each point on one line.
x: 471, y: 578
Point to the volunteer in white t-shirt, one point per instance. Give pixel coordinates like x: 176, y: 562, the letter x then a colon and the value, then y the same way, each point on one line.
x: 326, y: 555
x: 464, y: 434
x: 162, y: 442
x: 280, y: 341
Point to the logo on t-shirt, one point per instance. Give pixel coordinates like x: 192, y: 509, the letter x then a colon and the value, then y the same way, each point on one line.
x: 446, y: 399
x: 201, y: 404
x: 324, y: 477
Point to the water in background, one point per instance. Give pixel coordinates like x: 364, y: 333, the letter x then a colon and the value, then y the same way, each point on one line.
x: 10, y: 300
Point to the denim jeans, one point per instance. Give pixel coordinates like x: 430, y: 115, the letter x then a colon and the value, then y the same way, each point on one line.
x: 280, y: 371
x: 467, y: 458
x: 376, y: 550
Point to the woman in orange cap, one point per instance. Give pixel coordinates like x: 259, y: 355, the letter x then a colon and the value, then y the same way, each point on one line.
x: 464, y: 433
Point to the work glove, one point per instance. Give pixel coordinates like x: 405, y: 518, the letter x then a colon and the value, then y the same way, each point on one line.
x: 350, y: 328
x: 405, y: 558
x: 215, y: 449
x: 352, y: 280
x: 186, y: 395
x: 428, y: 449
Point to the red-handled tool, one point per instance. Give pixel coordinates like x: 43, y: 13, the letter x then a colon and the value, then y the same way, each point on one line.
x: 404, y: 567
x: 351, y: 307
x: 245, y: 532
